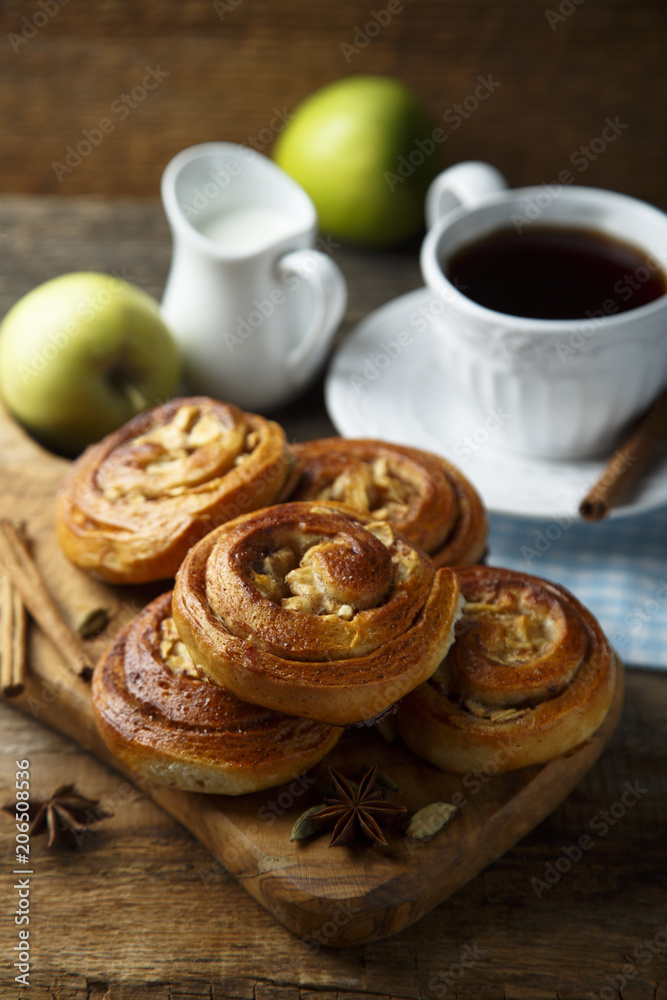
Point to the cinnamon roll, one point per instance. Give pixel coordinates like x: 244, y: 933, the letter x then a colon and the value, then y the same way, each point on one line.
x: 165, y: 723
x: 529, y: 677
x: 423, y: 496
x: 133, y: 504
x: 316, y: 610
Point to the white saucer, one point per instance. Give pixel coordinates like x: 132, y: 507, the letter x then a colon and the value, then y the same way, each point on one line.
x: 384, y: 382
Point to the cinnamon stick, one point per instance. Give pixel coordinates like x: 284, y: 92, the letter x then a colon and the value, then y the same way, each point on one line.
x: 627, y: 462
x: 13, y: 659
x: 20, y: 568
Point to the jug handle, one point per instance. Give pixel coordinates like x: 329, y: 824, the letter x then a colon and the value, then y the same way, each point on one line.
x: 330, y: 294
x: 463, y: 185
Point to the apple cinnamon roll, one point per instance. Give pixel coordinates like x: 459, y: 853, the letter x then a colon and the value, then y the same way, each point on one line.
x: 529, y: 677
x: 157, y: 716
x: 316, y: 610
x: 133, y: 504
x: 422, y: 495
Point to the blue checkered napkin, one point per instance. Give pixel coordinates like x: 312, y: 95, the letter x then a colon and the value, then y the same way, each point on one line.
x: 617, y: 568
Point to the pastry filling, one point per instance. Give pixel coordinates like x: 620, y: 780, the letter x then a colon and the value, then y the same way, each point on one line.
x: 491, y: 712
x: 315, y: 580
x: 371, y: 486
x: 175, y: 457
x: 515, y: 630
x: 512, y: 652
x: 173, y: 653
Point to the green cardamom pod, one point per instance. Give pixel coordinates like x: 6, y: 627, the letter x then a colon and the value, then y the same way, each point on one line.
x: 304, y: 826
x: 93, y: 621
x: 428, y: 821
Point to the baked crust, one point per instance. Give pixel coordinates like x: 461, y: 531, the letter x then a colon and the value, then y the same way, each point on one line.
x: 529, y: 677
x: 422, y: 495
x: 314, y: 609
x: 133, y: 504
x: 165, y: 723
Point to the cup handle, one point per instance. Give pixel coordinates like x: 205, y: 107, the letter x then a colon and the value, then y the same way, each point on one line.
x: 463, y: 184
x: 330, y: 293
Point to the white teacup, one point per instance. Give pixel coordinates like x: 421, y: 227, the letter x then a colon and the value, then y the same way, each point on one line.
x: 253, y: 306
x: 565, y: 387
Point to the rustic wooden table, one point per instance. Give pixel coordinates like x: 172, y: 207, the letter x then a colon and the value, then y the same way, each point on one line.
x: 142, y: 910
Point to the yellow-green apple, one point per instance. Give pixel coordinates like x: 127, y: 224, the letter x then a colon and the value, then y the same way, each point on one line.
x: 82, y: 354
x: 365, y: 149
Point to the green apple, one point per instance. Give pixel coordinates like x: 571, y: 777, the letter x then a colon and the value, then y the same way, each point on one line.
x: 365, y: 149
x: 82, y: 354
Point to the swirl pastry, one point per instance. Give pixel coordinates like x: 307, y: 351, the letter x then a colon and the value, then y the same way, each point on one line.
x: 314, y: 609
x: 158, y: 717
x: 529, y: 677
x: 420, y: 494
x: 133, y: 504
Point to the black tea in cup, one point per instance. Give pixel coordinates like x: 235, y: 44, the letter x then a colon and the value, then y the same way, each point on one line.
x: 555, y: 272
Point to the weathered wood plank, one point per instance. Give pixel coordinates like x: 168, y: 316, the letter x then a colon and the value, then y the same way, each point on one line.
x: 569, y: 940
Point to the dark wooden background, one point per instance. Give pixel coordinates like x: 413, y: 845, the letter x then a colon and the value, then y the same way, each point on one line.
x: 230, y: 64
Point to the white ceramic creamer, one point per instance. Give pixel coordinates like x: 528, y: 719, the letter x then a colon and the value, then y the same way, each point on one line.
x: 251, y: 303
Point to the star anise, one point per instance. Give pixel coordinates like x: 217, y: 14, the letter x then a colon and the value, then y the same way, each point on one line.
x: 66, y: 816
x: 356, y: 809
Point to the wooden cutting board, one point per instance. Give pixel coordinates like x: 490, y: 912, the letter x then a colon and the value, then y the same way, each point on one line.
x: 335, y: 897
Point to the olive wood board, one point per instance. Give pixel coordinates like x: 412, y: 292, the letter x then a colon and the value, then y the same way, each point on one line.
x: 339, y: 897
